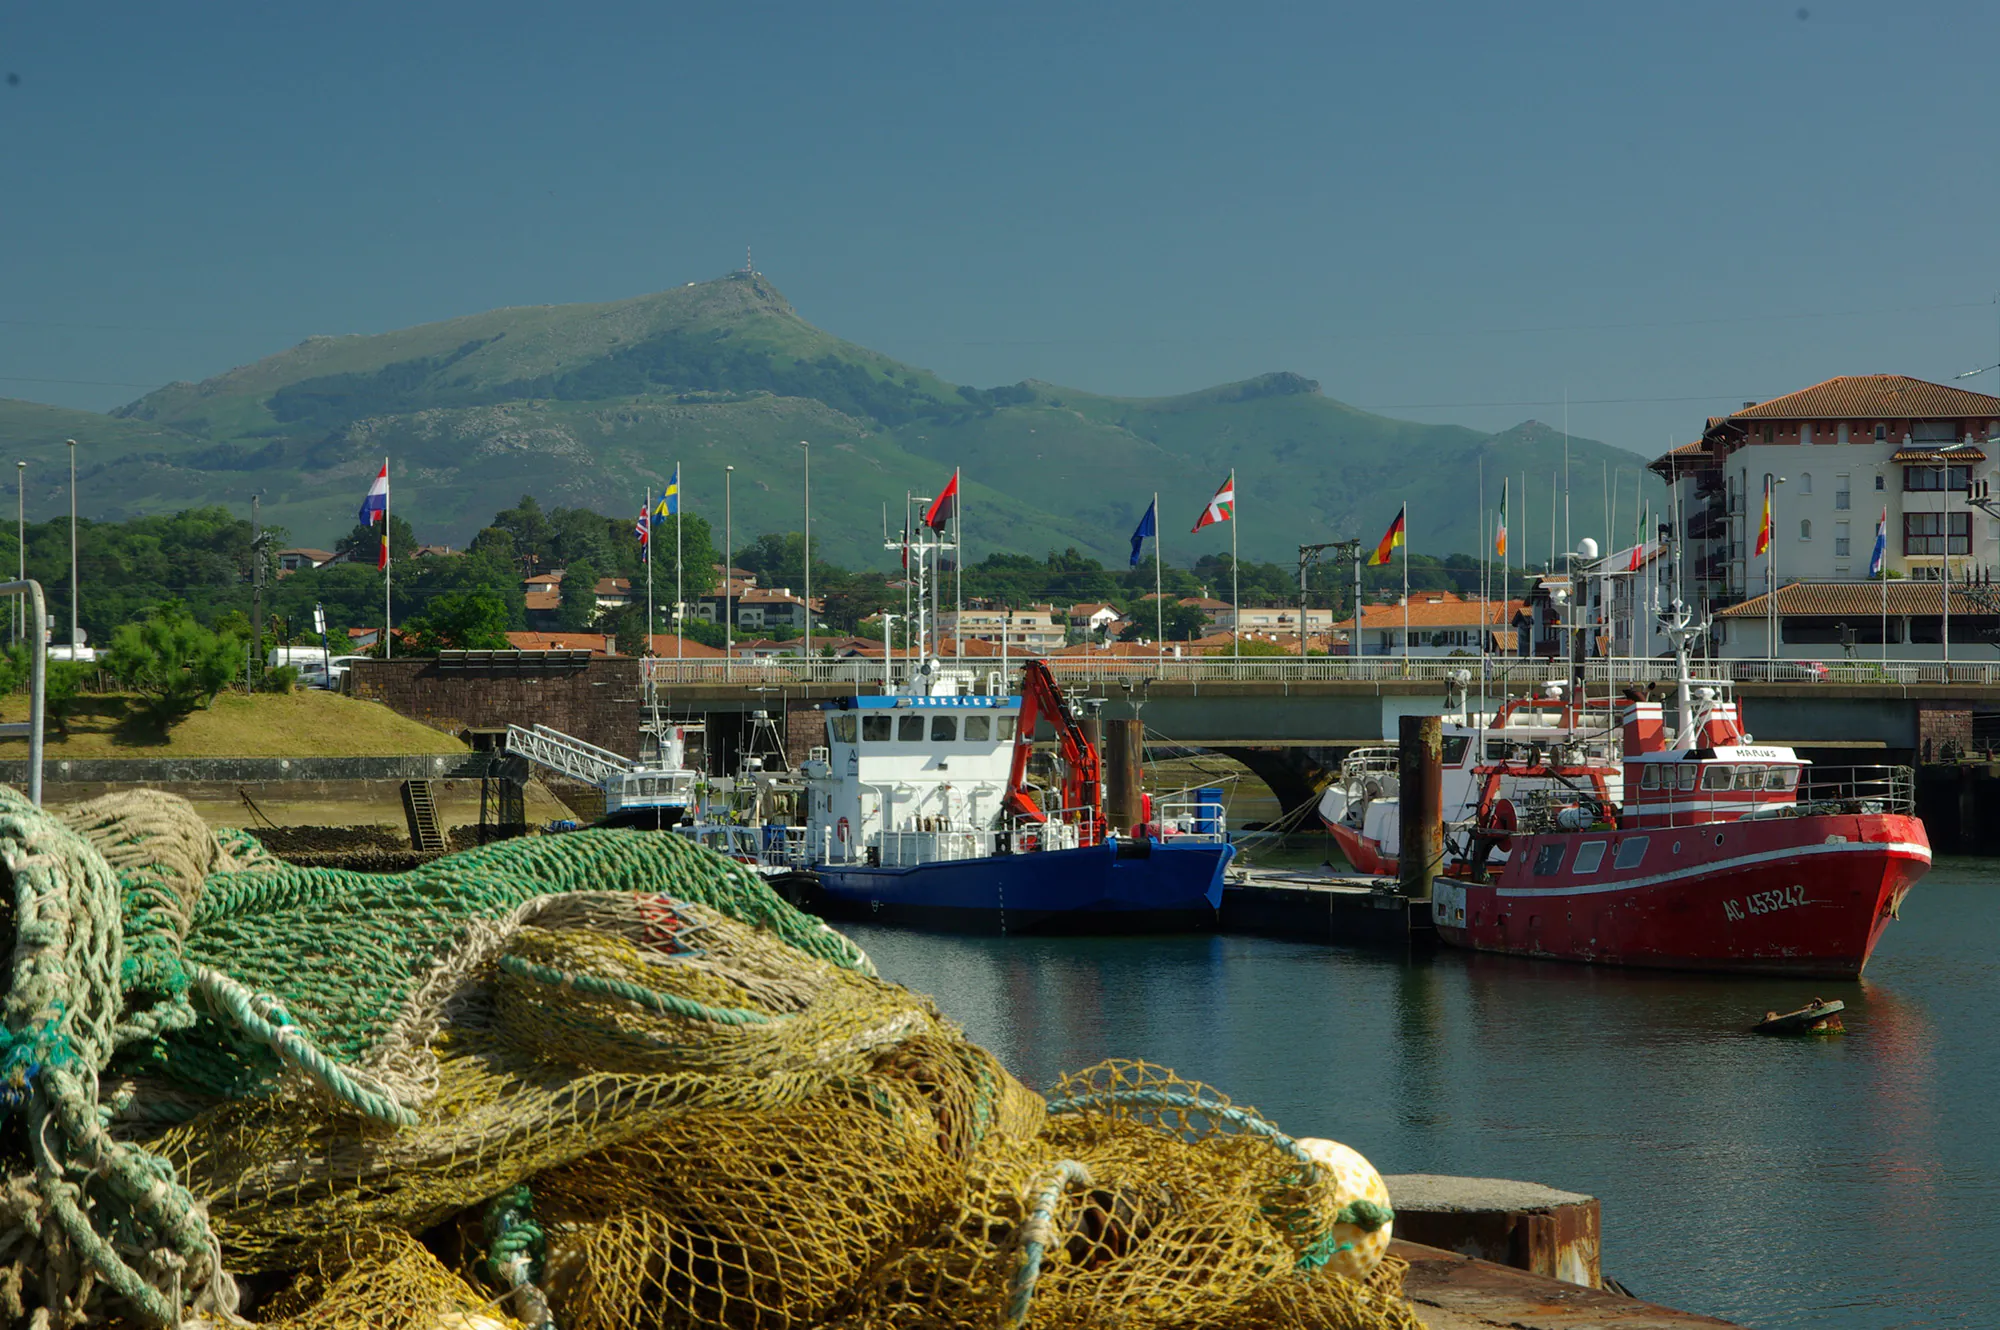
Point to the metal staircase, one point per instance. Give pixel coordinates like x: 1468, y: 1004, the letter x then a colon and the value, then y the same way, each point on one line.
x: 421, y: 811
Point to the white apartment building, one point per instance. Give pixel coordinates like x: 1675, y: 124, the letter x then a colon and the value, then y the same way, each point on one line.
x: 1037, y: 628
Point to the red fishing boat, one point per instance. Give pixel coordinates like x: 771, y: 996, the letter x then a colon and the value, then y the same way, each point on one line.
x: 1724, y: 854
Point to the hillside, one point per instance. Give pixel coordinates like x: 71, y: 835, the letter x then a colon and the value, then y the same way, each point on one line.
x: 589, y: 405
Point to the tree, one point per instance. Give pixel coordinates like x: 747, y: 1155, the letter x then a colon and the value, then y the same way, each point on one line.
x: 1185, y: 622
x: 364, y: 543
x: 529, y: 529
x: 578, y: 609
x: 459, y: 621
x: 173, y: 663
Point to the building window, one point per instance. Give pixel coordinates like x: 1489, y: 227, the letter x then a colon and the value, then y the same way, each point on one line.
x: 1842, y: 499
x: 1805, y: 433
x: 1924, y: 533
x: 1805, y: 482
x: 1933, y: 477
x: 1881, y: 434
x: 1842, y: 542
x: 1805, y: 528
x: 1769, y: 434
x: 1879, y: 481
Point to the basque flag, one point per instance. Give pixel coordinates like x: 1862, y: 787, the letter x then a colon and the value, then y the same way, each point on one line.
x: 1148, y: 526
x: 1221, y: 508
x: 1880, y: 553
x: 376, y: 505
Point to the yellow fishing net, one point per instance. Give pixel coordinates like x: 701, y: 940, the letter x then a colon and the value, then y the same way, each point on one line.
x: 593, y: 1081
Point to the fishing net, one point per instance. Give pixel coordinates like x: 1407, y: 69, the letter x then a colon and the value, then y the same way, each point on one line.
x: 599, y: 1080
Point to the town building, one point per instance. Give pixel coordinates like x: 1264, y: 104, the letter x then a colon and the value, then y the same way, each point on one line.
x: 1840, y: 457
x: 1264, y: 619
x: 300, y: 559
x: 1440, y: 623
x: 1038, y: 628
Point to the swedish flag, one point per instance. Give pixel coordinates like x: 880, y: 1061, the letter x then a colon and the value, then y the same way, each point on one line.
x: 670, y: 501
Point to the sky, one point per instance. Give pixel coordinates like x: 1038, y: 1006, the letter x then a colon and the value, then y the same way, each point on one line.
x: 1446, y: 212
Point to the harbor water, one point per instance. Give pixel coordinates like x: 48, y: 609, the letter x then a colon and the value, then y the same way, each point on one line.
x: 1849, y: 1182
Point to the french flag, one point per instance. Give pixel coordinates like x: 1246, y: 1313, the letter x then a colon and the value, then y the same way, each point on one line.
x: 376, y: 507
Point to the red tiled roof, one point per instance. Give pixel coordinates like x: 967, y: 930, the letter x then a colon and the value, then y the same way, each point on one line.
x: 597, y: 644
x: 1861, y: 599
x: 1448, y: 613
x: 543, y: 600
x: 665, y: 644
x: 1873, y: 396
x: 1961, y: 453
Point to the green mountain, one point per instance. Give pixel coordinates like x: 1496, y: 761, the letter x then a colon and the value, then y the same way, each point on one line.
x: 590, y: 405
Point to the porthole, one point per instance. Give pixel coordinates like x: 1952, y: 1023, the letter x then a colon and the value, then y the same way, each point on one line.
x: 1718, y: 838
x: 1677, y: 847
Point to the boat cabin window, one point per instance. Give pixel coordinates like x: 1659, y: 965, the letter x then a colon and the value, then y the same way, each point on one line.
x: 1630, y: 851
x: 843, y: 728
x: 875, y: 729
x: 1688, y: 772
x: 1588, y: 856
x: 1717, y: 778
x: 1650, y: 780
x: 1782, y: 778
x: 944, y: 729
x: 1454, y: 748
x: 1548, y: 859
x: 1003, y: 728
x: 910, y: 729
x: 978, y: 729
x: 1750, y: 778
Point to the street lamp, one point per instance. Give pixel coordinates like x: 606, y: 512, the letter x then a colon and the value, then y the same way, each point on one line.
x: 1771, y: 569
x: 74, y: 653
x: 729, y: 567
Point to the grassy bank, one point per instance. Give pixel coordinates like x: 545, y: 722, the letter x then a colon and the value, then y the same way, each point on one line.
x: 303, y: 724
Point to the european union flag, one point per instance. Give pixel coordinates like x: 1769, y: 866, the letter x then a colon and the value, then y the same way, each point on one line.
x: 1148, y: 526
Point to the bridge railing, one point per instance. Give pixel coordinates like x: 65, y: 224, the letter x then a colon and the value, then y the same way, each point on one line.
x: 792, y: 671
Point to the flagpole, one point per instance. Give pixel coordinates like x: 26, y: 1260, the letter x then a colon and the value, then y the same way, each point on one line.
x: 958, y: 570
x: 388, y: 635
x: 1235, y: 583
x: 1504, y: 534
x: 1406, y: 588
x: 806, y: 458
x: 646, y: 551
x: 680, y: 599
x: 1159, y: 598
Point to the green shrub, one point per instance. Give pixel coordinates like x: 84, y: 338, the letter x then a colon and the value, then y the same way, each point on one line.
x: 173, y: 663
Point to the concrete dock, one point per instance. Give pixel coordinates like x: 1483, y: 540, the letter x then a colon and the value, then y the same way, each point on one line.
x: 1324, y: 907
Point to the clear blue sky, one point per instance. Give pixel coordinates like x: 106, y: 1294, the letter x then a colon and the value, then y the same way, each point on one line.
x: 1450, y: 212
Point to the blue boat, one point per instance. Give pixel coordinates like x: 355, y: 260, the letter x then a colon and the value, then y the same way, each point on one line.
x: 919, y: 812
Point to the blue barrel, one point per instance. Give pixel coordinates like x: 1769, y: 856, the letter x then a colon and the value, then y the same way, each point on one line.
x: 774, y: 838
x: 1208, y: 811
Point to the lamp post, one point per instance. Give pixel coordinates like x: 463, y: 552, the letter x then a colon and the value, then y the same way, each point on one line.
x: 1945, y: 456
x: 1771, y: 569
x: 21, y: 545
x: 805, y: 451
x: 729, y: 565
x: 74, y: 652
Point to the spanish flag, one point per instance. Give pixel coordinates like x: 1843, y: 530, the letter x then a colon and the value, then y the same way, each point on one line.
x: 1390, y: 539
x: 1764, y: 529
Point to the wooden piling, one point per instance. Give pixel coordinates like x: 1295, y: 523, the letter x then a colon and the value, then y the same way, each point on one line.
x: 1420, y: 800
x: 1124, y: 740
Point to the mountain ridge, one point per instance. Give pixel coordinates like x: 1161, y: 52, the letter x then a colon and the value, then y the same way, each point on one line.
x: 592, y: 404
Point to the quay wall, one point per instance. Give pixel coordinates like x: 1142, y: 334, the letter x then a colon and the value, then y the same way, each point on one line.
x: 598, y: 702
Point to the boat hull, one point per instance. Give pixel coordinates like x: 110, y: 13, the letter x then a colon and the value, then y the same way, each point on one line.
x: 1127, y: 887
x: 1364, y: 854
x: 1804, y: 896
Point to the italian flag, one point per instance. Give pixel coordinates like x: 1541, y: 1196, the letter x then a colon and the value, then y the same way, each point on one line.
x: 1221, y: 508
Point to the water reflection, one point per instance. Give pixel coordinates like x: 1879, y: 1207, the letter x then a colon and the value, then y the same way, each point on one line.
x: 1844, y: 1182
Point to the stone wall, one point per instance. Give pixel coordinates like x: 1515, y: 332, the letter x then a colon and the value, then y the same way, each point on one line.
x: 1944, y: 731
x: 598, y: 703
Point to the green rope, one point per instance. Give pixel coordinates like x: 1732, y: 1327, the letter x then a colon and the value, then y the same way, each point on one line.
x: 516, y: 1247
x: 1037, y: 1236
x: 667, y: 1004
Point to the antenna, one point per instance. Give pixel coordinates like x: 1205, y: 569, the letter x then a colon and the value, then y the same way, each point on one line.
x: 748, y: 267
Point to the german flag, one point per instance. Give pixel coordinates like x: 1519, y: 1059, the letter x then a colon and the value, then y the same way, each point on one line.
x: 1390, y: 539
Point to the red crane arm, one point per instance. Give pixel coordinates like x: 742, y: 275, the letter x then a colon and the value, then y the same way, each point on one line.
x: 1083, y: 782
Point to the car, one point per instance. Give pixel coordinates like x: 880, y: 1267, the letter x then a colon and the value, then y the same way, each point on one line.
x: 1780, y: 671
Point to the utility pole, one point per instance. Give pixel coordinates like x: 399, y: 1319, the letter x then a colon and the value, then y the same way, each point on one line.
x: 1309, y: 556
x: 21, y: 529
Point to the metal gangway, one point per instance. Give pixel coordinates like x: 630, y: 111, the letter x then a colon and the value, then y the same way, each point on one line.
x: 630, y: 787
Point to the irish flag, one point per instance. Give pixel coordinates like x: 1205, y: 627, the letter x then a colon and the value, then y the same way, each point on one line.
x: 1390, y: 539
x: 1221, y: 508
x: 1500, y: 531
